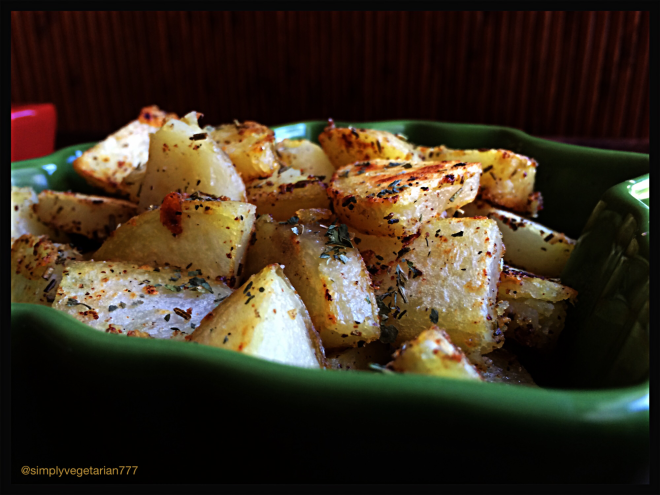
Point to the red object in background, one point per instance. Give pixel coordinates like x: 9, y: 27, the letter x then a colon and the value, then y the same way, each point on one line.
x: 32, y: 131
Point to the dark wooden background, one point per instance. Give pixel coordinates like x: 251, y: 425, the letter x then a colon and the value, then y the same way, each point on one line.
x: 571, y: 75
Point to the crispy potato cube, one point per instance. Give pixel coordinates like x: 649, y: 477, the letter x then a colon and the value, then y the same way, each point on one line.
x: 448, y: 276
x: 285, y: 192
x: 360, y: 358
x: 94, y: 217
x: 264, y: 318
x: 24, y: 219
x: 388, y: 198
x: 108, y: 164
x: 507, y: 179
x: 126, y: 297
x: 503, y: 367
x: 211, y: 236
x: 346, y: 145
x: 305, y: 156
x: 249, y: 146
x: 432, y: 353
x: 536, y: 310
x: 529, y: 245
x: 331, y: 279
x: 36, y: 268
x: 183, y: 158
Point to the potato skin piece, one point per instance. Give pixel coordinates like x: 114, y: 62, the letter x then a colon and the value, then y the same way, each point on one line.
x: 432, y: 353
x: 94, y: 217
x: 214, y: 239
x: 345, y: 145
x: 338, y: 295
x: 108, y: 164
x: 36, y: 268
x: 389, y: 198
x: 264, y: 318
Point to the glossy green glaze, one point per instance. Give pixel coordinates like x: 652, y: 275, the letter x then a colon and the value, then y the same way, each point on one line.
x: 598, y: 390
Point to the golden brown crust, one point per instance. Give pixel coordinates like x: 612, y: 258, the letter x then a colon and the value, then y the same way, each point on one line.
x: 250, y: 147
x: 108, y: 164
x: 94, y: 217
x: 345, y: 145
x: 154, y: 116
x: 393, y: 198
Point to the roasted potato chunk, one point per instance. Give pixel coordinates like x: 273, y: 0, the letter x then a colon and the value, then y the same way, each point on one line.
x: 305, y: 156
x: 249, y: 146
x: 382, y: 197
x: 346, y: 145
x: 447, y: 276
x: 360, y: 358
x: 36, y: 268
x: 432, y: 353
x: 536, y: 308
x: 126, y: 297
x: 108, y: 164
x: 529, y: 245
x: 378, y: 252
x: 286, y: 192
x: 507, y: 179
x: 328, y: 273
x: 264, y: 318
x: 503, y: 367
x: 94, y: 217
x: 210, y: 236
x: 24, y: 219
x: 183, y: 158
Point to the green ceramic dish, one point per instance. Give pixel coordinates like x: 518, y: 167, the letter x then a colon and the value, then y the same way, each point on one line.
x: 597, y: 393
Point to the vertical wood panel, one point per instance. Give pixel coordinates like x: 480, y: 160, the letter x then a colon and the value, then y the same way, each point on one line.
x: 566, y: 67
x: 17, y: 53
x: 516, y: 69
x: 538, y: 90
x: 610, y: 76
x: 520, y: 98
x: 582, y: 74
x: 487, y: 64
x: 638, y: 122
x: 590, y: 102
x: 629, y: 48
